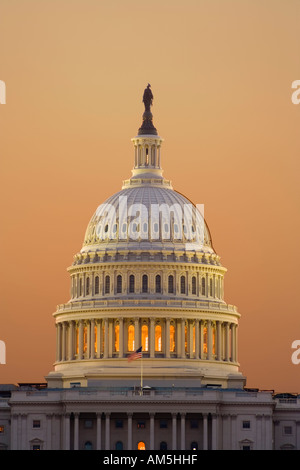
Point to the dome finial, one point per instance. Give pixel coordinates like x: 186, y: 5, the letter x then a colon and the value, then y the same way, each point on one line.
x: 147, y: 126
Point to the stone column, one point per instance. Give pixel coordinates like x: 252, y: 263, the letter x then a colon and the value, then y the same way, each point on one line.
x: 129, y: 431
x: 182, y: 431
x: 151, y: 431
x: 219, y: 340
x: 98, y: 437
x: 136, y: 334
x: 76, y: 431
x: 174, y: 431
x: 197, y: 339
x: 105, y: 339
x: 232, y: 358
x: 121, y: 337
x: 152, y: 338
x: 48, y: 432
x: 205, y: 432
x: 67, y: 431
x: 58, y: 341
x: 92, y: 340
x: 182, y: 339
x: 209, y: 340
x: 227, y: 342
x: 214, y: 431
x: 80, y: 340
x: 107, y: 431
x: 71, y: 341
x: 167, y: 336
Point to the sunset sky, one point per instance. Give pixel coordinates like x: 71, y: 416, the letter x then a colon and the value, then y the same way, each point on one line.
x: 221, y: 73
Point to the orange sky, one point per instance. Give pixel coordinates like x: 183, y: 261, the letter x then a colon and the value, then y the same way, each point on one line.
x: 221, y: 73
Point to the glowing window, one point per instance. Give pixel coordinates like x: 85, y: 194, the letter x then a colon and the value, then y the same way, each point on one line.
x: 145, y: 283
x: 141, y: 445
x: 145, y: 338
x: 85, y: 339
x: 158, y: 338
x: 194, y: 339
x: 95, y: 333
x: 131, y: 283
x: 193, y: 285
x: 185, y: 338
x: 107, y: 284
x: 171, y: 284
x: 158, y: 284
x: 172, y: 338
x: 131, y: 338
x: 117, y: 337
x: 205, y: 340
x: 119, y: 284
x: 97, y: 285
x: 214, y: 341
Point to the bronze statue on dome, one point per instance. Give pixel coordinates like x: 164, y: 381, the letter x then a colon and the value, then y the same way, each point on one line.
x: 148, y: 97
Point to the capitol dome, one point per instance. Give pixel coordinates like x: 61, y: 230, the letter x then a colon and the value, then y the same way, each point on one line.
x: 147, y: 278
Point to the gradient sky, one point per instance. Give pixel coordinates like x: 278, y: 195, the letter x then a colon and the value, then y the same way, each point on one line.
x: 221, y: 74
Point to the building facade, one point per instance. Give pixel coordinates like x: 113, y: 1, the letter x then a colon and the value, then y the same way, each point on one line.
x: 146, y: 346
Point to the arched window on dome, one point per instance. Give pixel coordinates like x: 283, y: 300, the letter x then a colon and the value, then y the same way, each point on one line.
x: 182, y: 284
x: 97, y: 285
x: 158, y: 343
x: 194, y: 285
x: 158, y: 283
x: 172, y: 338
x: 107, y: 284
x: 171, y: 284
x: 203, y: 286
x: 145, y: 340
x: 145, y: 283
x: 117, y: 338
x: 130, y: 342
x: 87, y: 286
x: 131, y: 283
x: 119, y: 284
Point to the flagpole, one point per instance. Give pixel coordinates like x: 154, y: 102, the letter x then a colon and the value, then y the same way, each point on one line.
x: 142, y: 374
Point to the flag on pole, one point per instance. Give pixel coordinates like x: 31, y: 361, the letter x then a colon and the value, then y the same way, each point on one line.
x: 136, y: 355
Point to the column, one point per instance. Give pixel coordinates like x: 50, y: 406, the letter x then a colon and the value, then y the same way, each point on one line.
x: 232, y: 358
x: 107, y: 431
x: 66, y: 431
x: 98, y: 437
x: 105, y: 339
x: 129, y: 431
x: 182, y: 339
x: 76, y: 431
x: 152, y: 338
x: 209, y: 340
x: 167, y: 336
x: 98, y: 339
x: 201, y: 340
x: 48, y: 443
x: 136, y: 334
x: 205, y: 432
x: 58, y: 341
x: 80, y: 340
x: 214, y: 432
x: 182, y: 431
x: 197, y: 339
x: 121, y: 337
x: 92, y: 340
x: 174, y: 431
x: 233, y: 432
x: 71, y: 341
x: 219, y: 341
x: 24, y: 437
x: 227, y: 341
x: 151, y: 431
